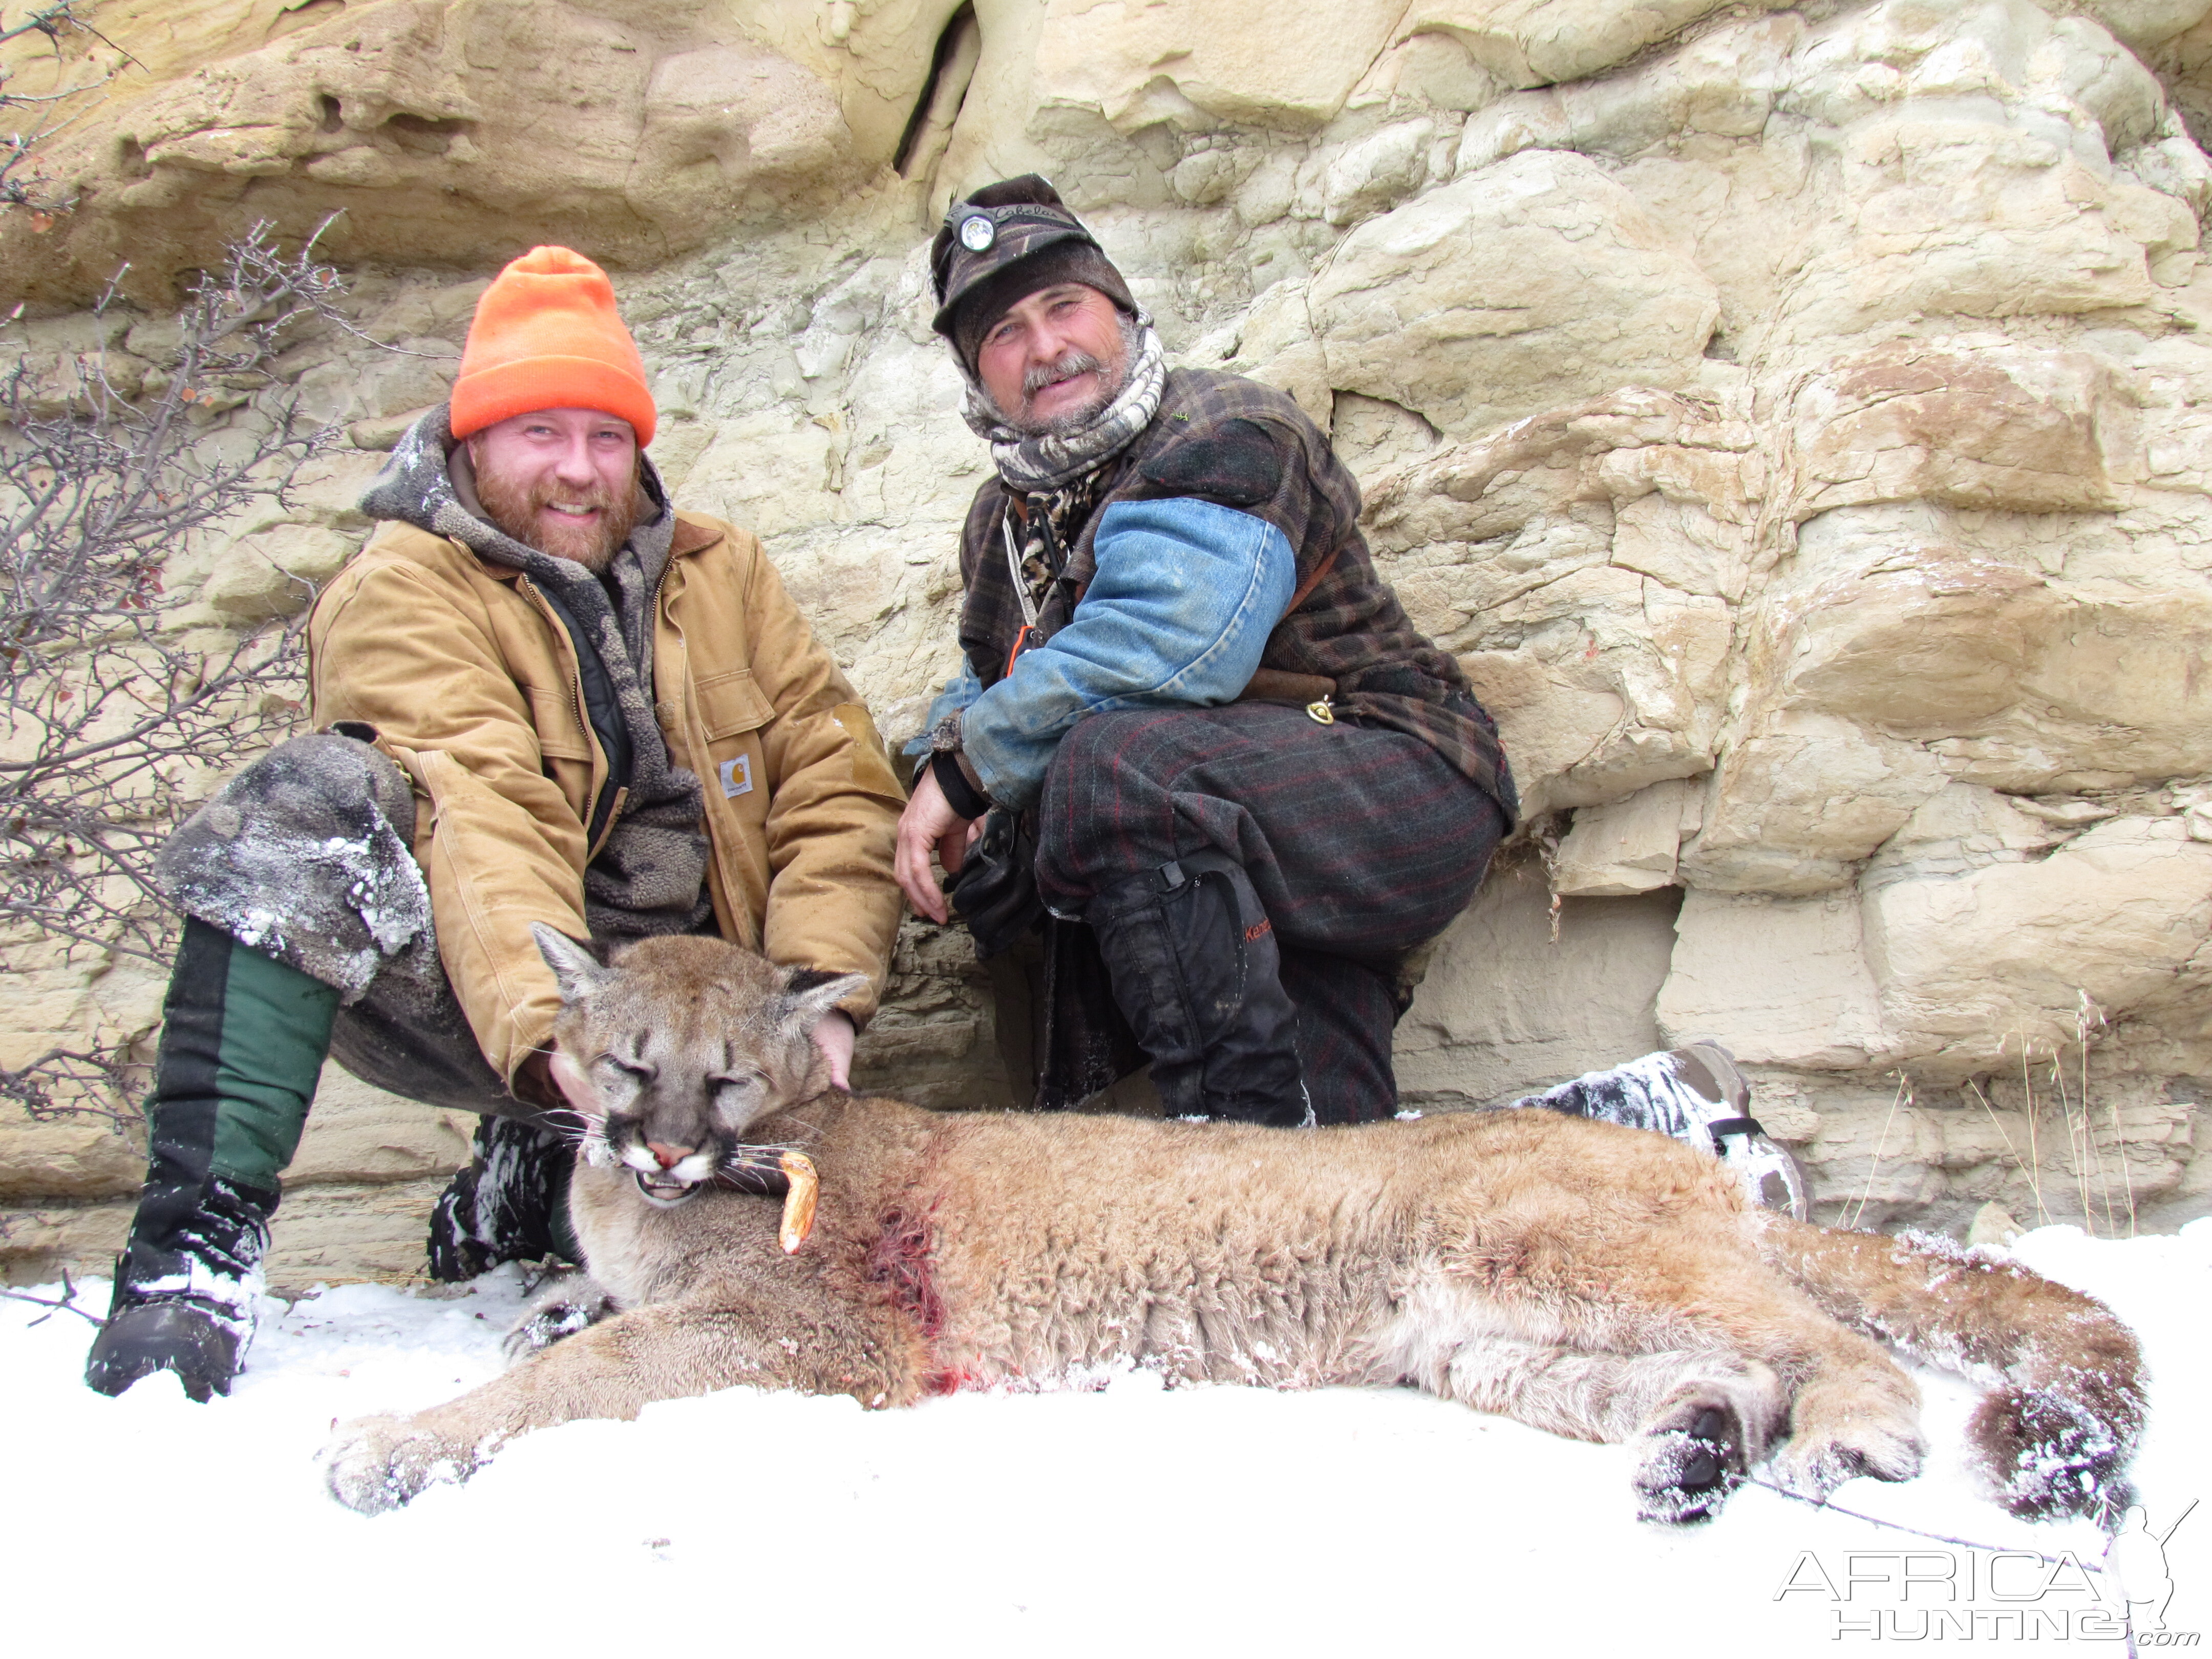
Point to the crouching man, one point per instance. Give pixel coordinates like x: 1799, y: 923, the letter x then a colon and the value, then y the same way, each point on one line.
x: 543, y: 695
x: 1235, y: 761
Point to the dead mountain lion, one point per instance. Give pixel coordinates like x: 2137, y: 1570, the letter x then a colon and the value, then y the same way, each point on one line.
x: 1603, y: 1283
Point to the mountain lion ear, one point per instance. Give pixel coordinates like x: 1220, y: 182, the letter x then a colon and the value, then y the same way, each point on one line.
x: 809, y: 993
x: 579, y: 972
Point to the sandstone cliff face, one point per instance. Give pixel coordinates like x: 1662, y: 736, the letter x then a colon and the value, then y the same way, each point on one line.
x: 1791, y: 417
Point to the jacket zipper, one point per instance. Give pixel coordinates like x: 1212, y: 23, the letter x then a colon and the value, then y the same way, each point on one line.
x: 583, y: 719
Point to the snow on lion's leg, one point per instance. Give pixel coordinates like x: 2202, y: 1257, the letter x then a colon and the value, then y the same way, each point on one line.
x: 565, y: 1304
x: 1701, y: 1418
x: 1853, y: 1410
x: 2056, y: 1435
x: 1857, y: 1415
x: 665, y: 1351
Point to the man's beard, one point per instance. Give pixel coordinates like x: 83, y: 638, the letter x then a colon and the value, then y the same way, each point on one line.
x: 1069, y: 421
x: 514, y: 508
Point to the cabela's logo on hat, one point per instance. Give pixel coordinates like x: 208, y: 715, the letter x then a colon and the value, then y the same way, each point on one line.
x: 977, y: 232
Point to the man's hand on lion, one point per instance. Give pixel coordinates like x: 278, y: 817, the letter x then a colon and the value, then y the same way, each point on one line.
x: 569, y: 1079
x: 929, y: 824
x: 834, y: 1037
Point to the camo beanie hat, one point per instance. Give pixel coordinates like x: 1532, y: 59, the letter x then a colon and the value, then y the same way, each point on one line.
x: 1002, y: 245
x: 546, y: 336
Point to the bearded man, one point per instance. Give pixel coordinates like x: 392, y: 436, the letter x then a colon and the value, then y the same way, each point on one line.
x: 1196, y: 710
x: 543, y: 696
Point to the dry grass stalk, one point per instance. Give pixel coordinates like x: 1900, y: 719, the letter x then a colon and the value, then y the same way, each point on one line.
x: 1903, y: 1096
x: 2034, y: 1149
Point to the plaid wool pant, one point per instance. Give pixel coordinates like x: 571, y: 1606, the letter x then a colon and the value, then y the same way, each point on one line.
x: 1361, y: 843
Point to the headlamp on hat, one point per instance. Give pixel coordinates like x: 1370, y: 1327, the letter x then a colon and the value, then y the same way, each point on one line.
x: 1002, y: 244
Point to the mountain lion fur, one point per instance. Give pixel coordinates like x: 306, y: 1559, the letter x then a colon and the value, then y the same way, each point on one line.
x: 1603, y: 1283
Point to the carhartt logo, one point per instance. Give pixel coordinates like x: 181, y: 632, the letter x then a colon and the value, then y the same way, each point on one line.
x: 1259, y: 929
x: 737, y: 775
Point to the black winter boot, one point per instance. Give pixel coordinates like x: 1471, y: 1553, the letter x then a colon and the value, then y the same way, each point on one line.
x: 243, y: 1038
x: 1696, y: 1094
x: 510, y: 1204
x: 186, y: 1287
x: 1195, y: 969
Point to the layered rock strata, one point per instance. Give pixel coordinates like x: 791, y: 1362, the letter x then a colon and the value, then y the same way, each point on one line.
x: 1789, y: 416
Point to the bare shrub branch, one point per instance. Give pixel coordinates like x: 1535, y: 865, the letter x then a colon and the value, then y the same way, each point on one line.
x: 21, y: 185
x: 118, y: 706
x: 65, y: 1303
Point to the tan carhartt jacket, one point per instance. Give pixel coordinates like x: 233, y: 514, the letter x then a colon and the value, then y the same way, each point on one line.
x: 473, y: 687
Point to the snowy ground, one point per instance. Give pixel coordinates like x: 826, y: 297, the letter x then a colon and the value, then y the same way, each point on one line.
x: 1221, y: 1521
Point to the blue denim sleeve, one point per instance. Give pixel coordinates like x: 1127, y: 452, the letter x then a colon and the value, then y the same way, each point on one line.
x: 1178, y: 613
x: 963, y: 689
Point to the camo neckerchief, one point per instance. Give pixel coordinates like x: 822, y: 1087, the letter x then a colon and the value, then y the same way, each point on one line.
x: 1041, y: 462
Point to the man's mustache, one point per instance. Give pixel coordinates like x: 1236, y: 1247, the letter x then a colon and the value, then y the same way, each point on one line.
x: 1052, y: 373
x: 596, y: 496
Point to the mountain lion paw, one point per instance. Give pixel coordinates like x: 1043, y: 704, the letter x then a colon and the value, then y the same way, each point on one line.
x: 1830, y: 1446
x: 2047, y: 1455
x: 572, y: 1303
x: 1698, y: 1446
x: 378, y: 1463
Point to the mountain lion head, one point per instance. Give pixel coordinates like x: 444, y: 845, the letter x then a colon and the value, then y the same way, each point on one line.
x: 683, y: 1043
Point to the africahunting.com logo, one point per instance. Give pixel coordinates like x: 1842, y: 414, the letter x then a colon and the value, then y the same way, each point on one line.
x: 1941, y: 1594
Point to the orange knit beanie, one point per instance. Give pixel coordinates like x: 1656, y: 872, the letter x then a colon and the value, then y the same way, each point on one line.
x: 546, y: 336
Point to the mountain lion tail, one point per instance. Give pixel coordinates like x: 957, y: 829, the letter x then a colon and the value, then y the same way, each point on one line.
x: 2066, y: 1407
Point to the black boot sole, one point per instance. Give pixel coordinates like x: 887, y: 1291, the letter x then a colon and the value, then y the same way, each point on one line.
x: 201, y: 1347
